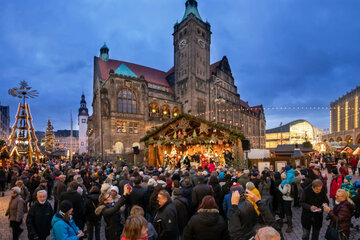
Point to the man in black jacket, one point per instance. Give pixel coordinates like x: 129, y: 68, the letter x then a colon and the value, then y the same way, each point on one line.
x: 38, y: 220
x: 312, y: 200
x: 182, y: 209
x: 242, y: 218
x: 138, y: 195
x: 200, y: 191
x: 165, y: 221
x: 78, y: 204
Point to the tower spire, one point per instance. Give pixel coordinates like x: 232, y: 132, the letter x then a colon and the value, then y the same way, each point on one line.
x: 104, y: 53
x: 191, y: 7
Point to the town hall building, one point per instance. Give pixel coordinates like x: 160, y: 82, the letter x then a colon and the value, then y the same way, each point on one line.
x: 129, y: 99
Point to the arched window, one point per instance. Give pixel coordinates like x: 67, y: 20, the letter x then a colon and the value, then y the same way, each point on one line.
x: 154, y: 109
x: 176, y: 112
x: 119, y: 147
x: 126, y: 101
x: 165, y: 111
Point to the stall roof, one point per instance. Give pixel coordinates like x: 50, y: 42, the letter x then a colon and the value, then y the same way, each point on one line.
x: 220, y: 127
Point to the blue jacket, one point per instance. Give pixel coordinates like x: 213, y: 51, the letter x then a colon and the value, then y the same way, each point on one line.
x: 227, y: 204
x: 63, y: 230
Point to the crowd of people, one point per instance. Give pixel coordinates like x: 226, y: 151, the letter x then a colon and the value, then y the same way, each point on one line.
x: 74, y: 200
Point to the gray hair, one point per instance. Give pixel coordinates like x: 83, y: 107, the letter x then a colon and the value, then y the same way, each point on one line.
x: 41, y: 191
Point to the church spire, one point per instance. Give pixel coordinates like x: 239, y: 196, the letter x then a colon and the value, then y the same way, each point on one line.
x: 104, y: 53
x: 191, y: 7
x: 83, y: 109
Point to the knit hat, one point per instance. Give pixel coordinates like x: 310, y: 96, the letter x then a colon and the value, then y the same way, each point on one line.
x: 348, y: 177
x: 236, y: 187
x: 43, y: 180
x: 177, y: 192
x: 176, y: 176
x: 65, y: 206
x: 105, y: 187
x: 16, y: 190
x: 114, y: 188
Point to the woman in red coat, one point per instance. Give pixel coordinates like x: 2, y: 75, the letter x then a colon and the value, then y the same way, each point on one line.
x: 341, y: 215
x: 336, y: 182
x: 343, y: 170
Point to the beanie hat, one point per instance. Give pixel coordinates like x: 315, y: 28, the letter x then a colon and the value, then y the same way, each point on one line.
x: 65, y: 206
x: 236, y: 187
x: 348, y: 177
x: 16, y: 190
x: 176, y: 176
x: 177, y: 192
x: 114, y: 188
x: 43, y: 180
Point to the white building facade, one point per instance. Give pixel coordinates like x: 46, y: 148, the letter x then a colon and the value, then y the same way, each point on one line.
x: 83, y: 123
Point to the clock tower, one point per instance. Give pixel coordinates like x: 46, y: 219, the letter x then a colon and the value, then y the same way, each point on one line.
x: 192, y: 38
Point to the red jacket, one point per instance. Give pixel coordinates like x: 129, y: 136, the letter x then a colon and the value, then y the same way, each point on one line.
x: 334, y: 186
x: 353, y: 162
x: 343, y: 171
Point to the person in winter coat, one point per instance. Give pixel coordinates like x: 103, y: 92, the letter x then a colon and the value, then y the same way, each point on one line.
x: 312, y: 201
x: 335, y: 184
x: 42, y: 186
x: 343, y: 169
x: 242, y: 217
x: 64, y: 227
x: 207, y: 223
x: 310, y: 176
x: 165, y: 221
x: 285, y: 189
x: 38, y: 220
x: 297, y: 183
x: 251, y: 187
x: 200, y: 191
x: 111, y: 213
x: 138, y: 211
x: 2, y: 180
x: 341, y: 215
x: 77, y: 202
x: 182, y: 209
x: 93, y: 221
x: 15, y: 212
x: 25, y: 194
x: 242, y: 178
x: 353, y: 164
x: 138, y: 195
x: 135, y: 228
x: 226, y: 205
x: 348, y: 186
x: 59, y: 188
x: 187, y: 190
x: 264, y: 188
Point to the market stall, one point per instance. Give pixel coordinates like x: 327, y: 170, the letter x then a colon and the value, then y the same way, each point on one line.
x: 195, y: 139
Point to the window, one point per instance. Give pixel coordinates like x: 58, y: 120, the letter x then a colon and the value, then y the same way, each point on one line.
x: 176, y: 111
x: 165, y: 111
x: 201, y: 107
x: 121, y: 127
x: 83, y: 120
x: 154, y: 109
x: 133, y: 128
x: 126, y: 101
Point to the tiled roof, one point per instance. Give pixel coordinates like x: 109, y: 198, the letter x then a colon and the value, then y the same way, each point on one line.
x: 214, y: 66
x: 151, y: 75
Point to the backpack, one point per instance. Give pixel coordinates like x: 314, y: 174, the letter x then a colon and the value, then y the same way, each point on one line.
x: 293, y: 190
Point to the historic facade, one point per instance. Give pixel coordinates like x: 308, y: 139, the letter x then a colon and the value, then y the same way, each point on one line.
x: 345, y: 119
x: 130, y: 99
x: 83, y: 123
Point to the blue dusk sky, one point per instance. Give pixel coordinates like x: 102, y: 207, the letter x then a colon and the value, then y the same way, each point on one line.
x: 283, y: 53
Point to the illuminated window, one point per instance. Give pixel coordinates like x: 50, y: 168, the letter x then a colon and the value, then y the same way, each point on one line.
x: 176, y: 111
x: 346, y: 115
x: 154, y: 109
x: 338, y: 118
x: 121, y: 127
x: 165, y: 111
x: 126, y: 101
x: 83, y: 120
x: 133, y: 128
x: 356, y: 117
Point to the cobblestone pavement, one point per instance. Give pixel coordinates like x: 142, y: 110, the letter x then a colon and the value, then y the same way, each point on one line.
x: 5, y: 230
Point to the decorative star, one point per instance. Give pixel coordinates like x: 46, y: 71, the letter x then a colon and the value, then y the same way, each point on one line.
x: 204, y: 128
x: 183, y: 124
x: 167, y: 138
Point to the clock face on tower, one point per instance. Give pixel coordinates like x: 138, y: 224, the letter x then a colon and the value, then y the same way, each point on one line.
x: 182, y: 43
x: 201, y: 43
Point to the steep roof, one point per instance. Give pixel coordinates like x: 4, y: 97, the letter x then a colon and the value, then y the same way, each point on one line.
x: 151, y: 75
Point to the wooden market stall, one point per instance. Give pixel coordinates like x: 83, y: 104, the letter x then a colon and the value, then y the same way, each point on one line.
x: 190, y: 136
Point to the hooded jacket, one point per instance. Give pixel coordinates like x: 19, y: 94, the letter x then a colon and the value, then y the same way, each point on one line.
x: 206, y: 224
x: 63, y: 230
x: 341, y: 215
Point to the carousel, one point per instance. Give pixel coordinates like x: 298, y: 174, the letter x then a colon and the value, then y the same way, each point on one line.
x: 186, y: 141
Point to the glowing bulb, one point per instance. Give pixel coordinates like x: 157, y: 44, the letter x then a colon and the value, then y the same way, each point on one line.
x: 153, y: 110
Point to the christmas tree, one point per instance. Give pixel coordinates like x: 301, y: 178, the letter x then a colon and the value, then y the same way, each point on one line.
x: 49, y: 138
